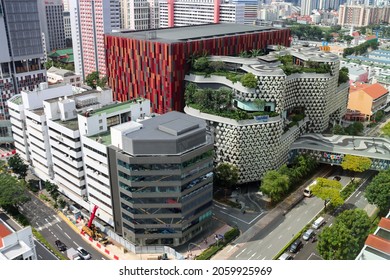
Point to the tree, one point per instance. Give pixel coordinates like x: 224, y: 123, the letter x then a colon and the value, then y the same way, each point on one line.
x: 328, y: 191
x: 275, y: 185
x: 217, y: 65
x: 226, y: 175
x: 348, y: 39
x: 201, y: 64
x: 386, y: 129
x: 18, y: 166
x: 338, y: 130
x: 378, y: 191
x: 356, y: 163
x: 249, y: 80
x: 337, y: 243
x: 92, y: 79
x: 259, y: 103
x: 12, y: 191
x: 358, y: 222
x: 343, y: 75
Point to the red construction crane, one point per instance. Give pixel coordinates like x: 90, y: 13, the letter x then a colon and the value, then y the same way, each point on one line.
x: 95, y: 208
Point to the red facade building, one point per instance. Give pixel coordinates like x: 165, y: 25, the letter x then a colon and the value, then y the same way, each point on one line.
x: 153, y: 63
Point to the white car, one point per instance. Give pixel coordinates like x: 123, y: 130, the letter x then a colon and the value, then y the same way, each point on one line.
x: 83, y: 253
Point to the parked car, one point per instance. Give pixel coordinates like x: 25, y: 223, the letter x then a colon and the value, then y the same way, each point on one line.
x: 285, y: 257
x: 308, y: 234
x: 83, y: 253
x: 294, y: 248
x: 61, y: 246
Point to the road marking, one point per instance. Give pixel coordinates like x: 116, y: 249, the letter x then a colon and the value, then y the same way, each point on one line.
x: 48, y: 222
x: 40, y: 257
x: 234, y: 217
x: 103, y: 258
x: 57, y: 218
x: 261, y: 241
x: 55, y: 236
x: 358, y: 194
x: 240, y: 253
x: 248, y: 252
x: 280, y: 236
x: 252, y: 256
x: 269, y: 246
x: 263, y: 258
x: 330, y: 224
x: 306, y: 211
x: 67, y: 235
x: 216, y: 205
x: 257, y: 217
x: 232, y: 248
x: 76, y: 244
x: 298, y: 219
x: 289, y: 228
x: 59, y: 227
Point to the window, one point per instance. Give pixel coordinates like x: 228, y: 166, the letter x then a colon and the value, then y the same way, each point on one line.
x: 101, y: 127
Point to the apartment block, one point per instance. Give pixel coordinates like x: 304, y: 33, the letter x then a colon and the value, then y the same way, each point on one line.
x: 90, y: 20
x: 162, y: 179
x: 190, y: 12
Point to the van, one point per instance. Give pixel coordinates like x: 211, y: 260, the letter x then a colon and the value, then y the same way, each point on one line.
x: 318, y: 223
x: 307, y: 191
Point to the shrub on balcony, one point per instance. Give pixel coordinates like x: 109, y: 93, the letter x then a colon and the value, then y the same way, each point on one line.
x: 249, y: 80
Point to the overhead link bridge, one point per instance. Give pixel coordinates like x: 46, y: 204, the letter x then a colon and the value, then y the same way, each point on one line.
x: 332, y: 149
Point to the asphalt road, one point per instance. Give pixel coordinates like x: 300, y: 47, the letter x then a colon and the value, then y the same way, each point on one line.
x: 42, y: 252
x: 356, y: 200
x: 234, y: 217
x: 46, y: 221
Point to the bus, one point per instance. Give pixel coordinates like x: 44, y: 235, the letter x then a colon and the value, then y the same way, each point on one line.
x: 307, y: 191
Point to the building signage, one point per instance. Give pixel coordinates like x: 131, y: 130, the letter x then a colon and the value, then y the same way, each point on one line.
x: 261, y: 118
x: 333, y: 157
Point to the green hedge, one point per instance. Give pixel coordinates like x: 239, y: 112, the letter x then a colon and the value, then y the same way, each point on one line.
x: 41, y: 239
x: 349, y: 189
x: 213, y: 249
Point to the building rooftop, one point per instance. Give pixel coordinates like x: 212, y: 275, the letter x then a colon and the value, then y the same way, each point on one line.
x: 4, y: 231
x: 114, y: 107
x: 103, y: 138
x: 61, y: 72
x: 17, y: 99
x: 63, y: 52
x: 167, y: 127
x: 374, y: 90
x: 192, y: 32
x: 70, y: 124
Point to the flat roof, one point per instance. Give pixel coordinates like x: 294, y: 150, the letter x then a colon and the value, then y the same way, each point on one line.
x: 115, y: 107
x: 72, y: 124
x: 193, y: 32
x: 4, y: 231
x: 168, y: 126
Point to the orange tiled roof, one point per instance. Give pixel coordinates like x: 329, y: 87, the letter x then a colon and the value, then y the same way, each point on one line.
x: 375, y: 90
x: 370, y: 37
x: 384, y: 223
x: 378, y: 243
x: 4, y: 231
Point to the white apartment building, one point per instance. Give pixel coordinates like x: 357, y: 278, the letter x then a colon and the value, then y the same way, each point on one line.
x: 76, y: 36
x: 63, y: 133
x: 16, y: 245
x: 139, y: 14
x: 57, y: 75
x: 190, y: 12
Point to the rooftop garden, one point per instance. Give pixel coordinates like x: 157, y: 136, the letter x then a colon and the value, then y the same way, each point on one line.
x: 290, y: 66
x: 203, y: 66
x: 219, y: 102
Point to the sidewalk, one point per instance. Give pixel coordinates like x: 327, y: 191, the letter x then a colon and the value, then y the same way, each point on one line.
x: 118, y: 252
x: 195, y: 249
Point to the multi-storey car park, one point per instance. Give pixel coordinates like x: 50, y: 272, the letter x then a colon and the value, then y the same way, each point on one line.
x: 63, y: 133
x: 302, y: 94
